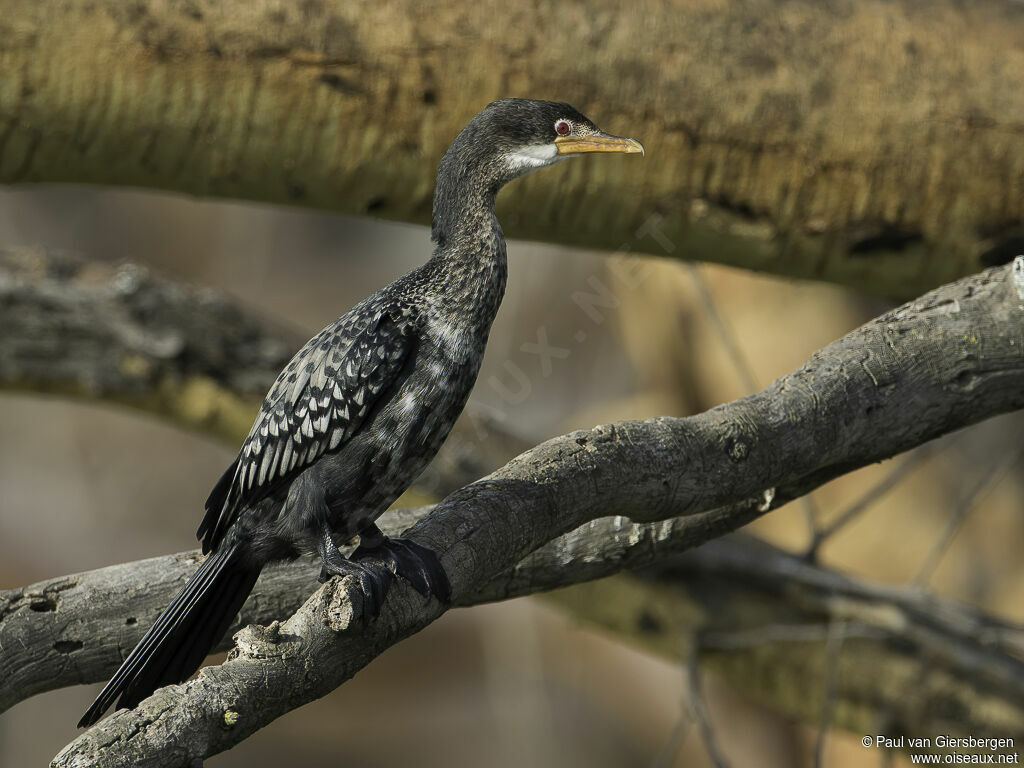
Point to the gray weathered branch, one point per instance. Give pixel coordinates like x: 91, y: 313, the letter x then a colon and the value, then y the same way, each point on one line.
x: 72, y: 325
x: 750, y: 607
x: 838, y: 142
x: 946, y: 360
x: 76, y: 629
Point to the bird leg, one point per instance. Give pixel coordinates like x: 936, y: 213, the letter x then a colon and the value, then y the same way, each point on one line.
x: 374, y: 578
x: 413, y: 562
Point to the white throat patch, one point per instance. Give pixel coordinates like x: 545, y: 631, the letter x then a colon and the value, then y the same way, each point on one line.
x: 533, y: 156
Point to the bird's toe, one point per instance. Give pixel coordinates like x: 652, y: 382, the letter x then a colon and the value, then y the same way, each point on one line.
x: 410, y: 567
x: 375, y: 580
x: 413, y: 562
x: 421, y: 567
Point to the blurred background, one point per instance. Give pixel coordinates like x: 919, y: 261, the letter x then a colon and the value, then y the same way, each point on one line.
x: 512, y: 684
x: 873, y: 144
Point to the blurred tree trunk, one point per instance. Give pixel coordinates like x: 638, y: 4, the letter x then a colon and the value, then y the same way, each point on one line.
x: 877, y: 145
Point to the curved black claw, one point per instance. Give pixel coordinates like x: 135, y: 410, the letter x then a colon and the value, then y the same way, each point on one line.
x: 374, y: 580
x: 413, y: 562
x: 374, y: 577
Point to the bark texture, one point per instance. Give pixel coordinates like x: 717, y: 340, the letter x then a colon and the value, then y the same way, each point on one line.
x: 875, y: 144
x: 946, y: 360
x: 84, y: 329
x: 758, y: 616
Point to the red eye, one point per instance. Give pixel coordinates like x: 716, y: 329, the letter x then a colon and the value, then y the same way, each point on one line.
x: 562, y: 127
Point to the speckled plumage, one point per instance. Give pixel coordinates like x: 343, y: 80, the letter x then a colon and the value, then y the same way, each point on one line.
x: 361, y: 409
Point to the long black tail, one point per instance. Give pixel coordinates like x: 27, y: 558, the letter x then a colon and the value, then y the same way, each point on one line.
x: 188, y: 628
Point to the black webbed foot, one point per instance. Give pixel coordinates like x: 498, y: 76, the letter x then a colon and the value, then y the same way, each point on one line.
x: 374, y: 579
x: 413, y: 562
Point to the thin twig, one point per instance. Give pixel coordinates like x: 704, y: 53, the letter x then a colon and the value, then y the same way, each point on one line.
x: 675, y: 739
x: 989, y: 479
x: 913, y: 460
x: 723, y: 330
x: 811, y: 515
x: 836, y: 633
x: 699, y: 710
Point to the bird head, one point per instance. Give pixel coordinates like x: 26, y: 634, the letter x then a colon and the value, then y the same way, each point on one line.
x: 515, y: 136
x: 507, y: 139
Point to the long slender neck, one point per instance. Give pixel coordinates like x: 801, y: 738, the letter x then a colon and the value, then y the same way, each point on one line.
x: 463, y: 198
x: 469, y: 248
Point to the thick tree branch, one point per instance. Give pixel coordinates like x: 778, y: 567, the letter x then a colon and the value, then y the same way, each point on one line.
x: 759, y: 616
x: 77, y: 629
x: 942, y: 362
x: 71, y: 310
x: 804, y: 138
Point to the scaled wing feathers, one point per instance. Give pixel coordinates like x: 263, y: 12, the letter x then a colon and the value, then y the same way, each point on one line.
x: 318, y: 402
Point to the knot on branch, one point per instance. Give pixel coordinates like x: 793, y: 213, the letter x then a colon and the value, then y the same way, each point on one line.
x: 339, y: 598
x: 256, y: 642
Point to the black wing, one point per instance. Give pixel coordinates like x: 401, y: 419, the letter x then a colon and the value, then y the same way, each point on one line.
x: 317, y: 403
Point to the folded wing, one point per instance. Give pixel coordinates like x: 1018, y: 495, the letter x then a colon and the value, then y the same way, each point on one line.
x: 320, y: 400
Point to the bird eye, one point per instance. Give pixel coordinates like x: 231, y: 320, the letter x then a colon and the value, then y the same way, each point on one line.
x: 562, y: 127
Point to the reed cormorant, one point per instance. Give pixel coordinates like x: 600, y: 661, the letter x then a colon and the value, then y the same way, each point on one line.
x: 362, y: 407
